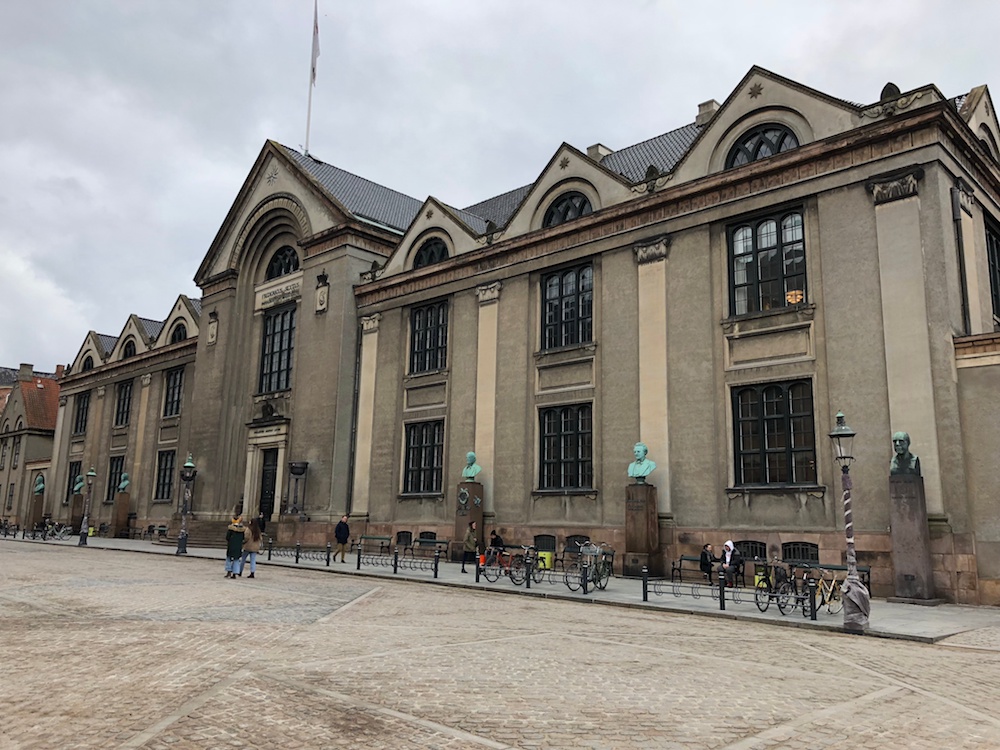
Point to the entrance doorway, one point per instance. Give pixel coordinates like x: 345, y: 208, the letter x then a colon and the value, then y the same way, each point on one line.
x: 268, y: 481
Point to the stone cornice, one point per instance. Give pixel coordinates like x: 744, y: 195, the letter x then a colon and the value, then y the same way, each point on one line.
x: 369, y: 323
x: 895, y: 186
x: 652, y: 250
x: 353, y: 233
x: 172, y: 355
x: 488, y: 293
x: 866, y: 144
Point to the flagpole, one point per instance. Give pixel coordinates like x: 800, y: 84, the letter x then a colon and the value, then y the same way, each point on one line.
x: 312, y: 71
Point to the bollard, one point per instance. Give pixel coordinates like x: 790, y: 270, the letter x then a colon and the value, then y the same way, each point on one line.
x: 298, y: 549
x: 395, y: 560
x: 477, y: 563
x: 359, y: 555
x: 328, y: 548
x: 529, y: 567
x: 585, y: 575
x: 270, y: 546
x: 437, y: 561
x: 722, y: 589
x: 645, y: 583
x: 811, y: 588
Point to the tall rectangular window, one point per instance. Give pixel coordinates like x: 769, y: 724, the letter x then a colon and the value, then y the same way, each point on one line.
x: 75, y: 470
x: 164, y: 475
x: 15, y: 453
x: 993, y: 259
x: 175, y: 392
x: 10, y: 497
x: 424, y: 457
x: 775, y: 440
x: 3, y: 452
x: 567, y: 444
x: 568, y: 316
x: 115, y: 468
x: 82, y: 402
x: 767, y: 263
x: 123, y: 403
x: 429, y: 337
x: 276, y: 350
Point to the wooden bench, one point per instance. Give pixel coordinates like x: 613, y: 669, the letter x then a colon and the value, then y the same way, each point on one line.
x: 368, y: 544
x: 864, y: 571
x: 677, y: 567
x: 430, y: 545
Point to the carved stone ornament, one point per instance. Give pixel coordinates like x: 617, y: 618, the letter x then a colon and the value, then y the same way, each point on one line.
x: 272, y: 174
x: 893, y: 187
x: 322, y: 299
x: 651, y: 251
x: 375, y: 271
x: 100, y: 391
x: 654, y: 180
x: 213, y: 330
x: 369, y: 323
x: 146, y: 379
x: 966, y: 198
x: 63, y: 400
x: 488, y: 293
x: 892, y: 106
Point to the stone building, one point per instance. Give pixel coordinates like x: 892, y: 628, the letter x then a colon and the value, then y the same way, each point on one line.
x: 124, y: 409
x: 27, y: 425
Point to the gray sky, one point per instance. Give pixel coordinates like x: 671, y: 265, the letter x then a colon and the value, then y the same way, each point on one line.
x: 128, y: 126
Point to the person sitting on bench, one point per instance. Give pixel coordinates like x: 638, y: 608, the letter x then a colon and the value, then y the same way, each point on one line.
x: 731, y: 561
x: 496, y: 541
x: 708, y: 560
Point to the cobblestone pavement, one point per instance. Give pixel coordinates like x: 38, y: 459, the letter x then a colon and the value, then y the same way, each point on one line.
x: 120, y: 650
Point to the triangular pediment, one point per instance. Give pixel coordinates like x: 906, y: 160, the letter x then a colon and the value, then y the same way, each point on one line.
x: 459, y: 230
x: 95, y: 345
x: 184, y: 312
x: 979, y: 113
x: 134, y: 334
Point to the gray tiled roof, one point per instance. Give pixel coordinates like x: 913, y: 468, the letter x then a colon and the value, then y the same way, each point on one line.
x: 958, y: 101
x: 196, y: 304
x: 152, y: 328
x: 500, y: 208
x: 8, y: 376
x: 363, y: 198
x: 106, y: 342
x: 663, y: 152
x: 476, y: 223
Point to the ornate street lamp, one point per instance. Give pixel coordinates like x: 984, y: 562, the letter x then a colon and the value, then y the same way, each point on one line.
x: 85, y: 523
x: 188, y: 473
x: 857, y: 601
x: 298, y: 470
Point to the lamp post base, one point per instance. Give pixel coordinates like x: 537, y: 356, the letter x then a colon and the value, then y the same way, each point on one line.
x: 182, y: 544
x: 857, y: 605
x: 83, y: 537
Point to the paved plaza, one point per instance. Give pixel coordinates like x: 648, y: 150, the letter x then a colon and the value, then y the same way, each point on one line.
x: 110, y: 648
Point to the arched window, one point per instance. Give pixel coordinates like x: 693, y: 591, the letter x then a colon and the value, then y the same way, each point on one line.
x: 760, y: 143
x: 284, y: 261
x: 987, y: 139
x: 179, y: 333
x: 88, y: 364
x: 431, y: 252
x: 567, y: 207
x: 129, y: 350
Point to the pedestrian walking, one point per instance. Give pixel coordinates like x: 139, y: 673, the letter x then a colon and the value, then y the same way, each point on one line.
x: 251, y: 546
x: 342, y: 533
x: 235, y: 534
x: 469, y: 545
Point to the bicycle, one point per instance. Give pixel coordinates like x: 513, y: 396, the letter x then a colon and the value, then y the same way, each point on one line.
x: 526, y: 564
x: 790, y: 597
x: 600, y: 564
x: 58, y: 531
x: 829, y: 593
x: 764, y: 590
x: 498, y: 562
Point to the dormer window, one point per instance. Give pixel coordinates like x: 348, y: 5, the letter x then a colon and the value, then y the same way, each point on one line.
x: 567, y: 207
x: 760, y: 143
x: 431, y: 252
x: 88, y: 364
x: 129, y: 350
x: 284, y: 261
x: 178, y: 334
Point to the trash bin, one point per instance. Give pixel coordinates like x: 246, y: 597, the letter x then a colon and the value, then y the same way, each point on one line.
x: 545, y: 560
x: 91, y: 531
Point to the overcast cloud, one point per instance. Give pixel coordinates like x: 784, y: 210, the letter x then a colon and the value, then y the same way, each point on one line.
x: 128, y: 126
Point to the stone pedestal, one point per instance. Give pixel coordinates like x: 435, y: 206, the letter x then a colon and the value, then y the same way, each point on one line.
x: 119, y: 516
x: 76, y: 512
x: 36, y: 511
x: 911, y: 546
x: 468, y: 508
x: 642, y: 531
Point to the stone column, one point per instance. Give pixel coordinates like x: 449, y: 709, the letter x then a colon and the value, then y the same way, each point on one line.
x: 366, y: 415
x: 486, y: 385
x: 651, y: 257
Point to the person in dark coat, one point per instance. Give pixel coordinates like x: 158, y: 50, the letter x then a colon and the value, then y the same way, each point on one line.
x: 342, y: 533
x: 235, y: 534
x: 708, y: 560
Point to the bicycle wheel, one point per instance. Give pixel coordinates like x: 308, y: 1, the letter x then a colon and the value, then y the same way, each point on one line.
x: 602, y: 574
x: 819, y: 599
x: 762, y: 595
x: 572, y: 577
x: 835, y: 598
x: 492, y: 569
x: 786, y: 598
x: 518, y: 572
x: 537, y: 572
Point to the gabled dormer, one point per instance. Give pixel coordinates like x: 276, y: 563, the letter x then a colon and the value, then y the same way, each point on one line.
x: 182, y: 322
x: 137, y: 337
x: 438, y: 232
x: 94, y: 352
x: 977, y: 109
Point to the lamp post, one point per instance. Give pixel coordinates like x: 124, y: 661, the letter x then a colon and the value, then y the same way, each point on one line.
x: 188, y: 473
x: 857, y: 601
x: 85, y: 522
x: 298, y: 469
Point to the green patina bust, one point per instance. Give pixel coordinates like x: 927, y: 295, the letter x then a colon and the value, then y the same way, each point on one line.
x: 903, y: 462
x: 471, y: 469
x: 78, y: 484
x: 39, y: 484
x: 124, y: 483
x: 642, y: 467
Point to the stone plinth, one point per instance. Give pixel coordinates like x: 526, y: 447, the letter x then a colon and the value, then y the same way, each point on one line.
x: 913, y: 576
x: 468, y: 508
x: 119, y: 517
x: 76, y: 511
x: 642, y: 531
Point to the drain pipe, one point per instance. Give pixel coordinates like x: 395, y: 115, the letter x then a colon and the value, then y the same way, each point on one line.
x: 956, y: 217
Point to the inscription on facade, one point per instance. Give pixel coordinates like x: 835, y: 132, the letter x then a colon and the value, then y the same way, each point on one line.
x: 276, y: 295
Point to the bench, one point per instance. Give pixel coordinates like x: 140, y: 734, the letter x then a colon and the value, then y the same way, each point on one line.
x: 368, y: 543
x: 161, y: 533
x: 864, y: 571
x: 430, y: 545
x: 677, y: 567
